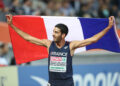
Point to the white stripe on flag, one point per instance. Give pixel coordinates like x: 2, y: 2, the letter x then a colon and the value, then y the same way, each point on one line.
x: 73, y: 24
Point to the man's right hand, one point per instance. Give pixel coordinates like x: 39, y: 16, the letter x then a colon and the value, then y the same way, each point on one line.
x: 9, y: 19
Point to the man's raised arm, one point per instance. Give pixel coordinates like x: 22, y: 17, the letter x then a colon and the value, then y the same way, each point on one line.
x: 43, y: 42
x: 95, y: 38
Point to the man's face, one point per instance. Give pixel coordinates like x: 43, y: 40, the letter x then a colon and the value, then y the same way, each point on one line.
x: 57, y: 35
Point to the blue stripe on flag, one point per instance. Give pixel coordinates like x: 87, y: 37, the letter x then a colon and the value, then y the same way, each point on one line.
x: 93, y: 26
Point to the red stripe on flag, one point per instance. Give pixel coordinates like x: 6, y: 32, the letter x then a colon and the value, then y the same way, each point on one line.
x: 25, y: 51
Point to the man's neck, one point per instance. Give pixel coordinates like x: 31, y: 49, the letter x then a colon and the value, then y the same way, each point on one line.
x: 60, y: 44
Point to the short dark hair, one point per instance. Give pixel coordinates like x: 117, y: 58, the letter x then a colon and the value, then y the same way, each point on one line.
x: 63, y: 28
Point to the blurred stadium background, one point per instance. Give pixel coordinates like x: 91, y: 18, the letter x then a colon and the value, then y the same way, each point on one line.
x: 92, y: 68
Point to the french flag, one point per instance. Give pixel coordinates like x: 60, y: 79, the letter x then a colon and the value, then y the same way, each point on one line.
x: 42, y: 28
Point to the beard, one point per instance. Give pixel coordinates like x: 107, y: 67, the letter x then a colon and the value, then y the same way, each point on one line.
x: 57, y: 39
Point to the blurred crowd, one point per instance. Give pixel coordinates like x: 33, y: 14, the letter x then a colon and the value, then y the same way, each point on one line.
x: 6, y: 54
x: 80, y: 8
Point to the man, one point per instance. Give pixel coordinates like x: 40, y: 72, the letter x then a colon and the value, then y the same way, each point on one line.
x: 15, y: 8
x: 3, y: 51
x: 27, y: 7
x: 60, y: 51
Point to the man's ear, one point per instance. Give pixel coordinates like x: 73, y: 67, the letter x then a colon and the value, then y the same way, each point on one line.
x: 63, y: 35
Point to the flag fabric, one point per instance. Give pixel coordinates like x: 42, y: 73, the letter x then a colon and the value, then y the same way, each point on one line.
x: 42, y: 28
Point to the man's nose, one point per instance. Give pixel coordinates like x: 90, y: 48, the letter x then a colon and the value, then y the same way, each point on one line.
x: 53, y: 34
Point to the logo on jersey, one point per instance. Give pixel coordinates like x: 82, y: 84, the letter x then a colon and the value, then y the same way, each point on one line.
x: 65, y: 47
x: 58, y: 64
x: 61, y: 54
